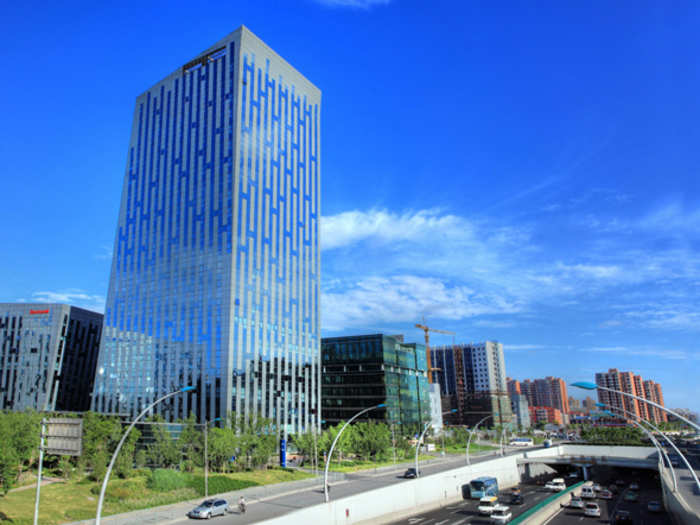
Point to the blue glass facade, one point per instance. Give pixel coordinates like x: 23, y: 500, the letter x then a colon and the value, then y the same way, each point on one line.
x: 215, y: 277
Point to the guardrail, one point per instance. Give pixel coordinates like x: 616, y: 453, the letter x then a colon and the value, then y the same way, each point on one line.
x: 542, y: 504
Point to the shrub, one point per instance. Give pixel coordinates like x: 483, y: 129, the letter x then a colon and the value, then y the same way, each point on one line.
x: 219, y: 484
x: 164, y: 480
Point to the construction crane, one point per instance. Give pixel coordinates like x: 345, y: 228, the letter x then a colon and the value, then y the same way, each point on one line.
x: 426, y: 329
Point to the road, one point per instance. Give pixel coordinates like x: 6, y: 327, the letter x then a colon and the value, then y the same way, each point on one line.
x: 650, y: 489
x: 465, y: 512
x: 354, y: 484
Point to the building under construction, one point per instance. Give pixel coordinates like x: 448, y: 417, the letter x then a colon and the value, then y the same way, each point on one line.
x: 472, y: 379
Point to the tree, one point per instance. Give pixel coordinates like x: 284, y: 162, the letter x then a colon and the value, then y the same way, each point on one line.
x: 191, y: 443
x: 124, y: 464
x: 370, y: 440
x: 100, y: 437
x: 221, y: 447
x: 162, y: 452
x: 305, y: 444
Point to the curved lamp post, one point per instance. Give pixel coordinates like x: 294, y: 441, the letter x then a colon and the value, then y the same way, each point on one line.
x: 121, y: 442
x: 592, y: 386
x: 420, y: 440
x: 673, y: 445
x: 330, y: 453
x: 206, y: 455
x: 471, y: 432
x: 646, y: 431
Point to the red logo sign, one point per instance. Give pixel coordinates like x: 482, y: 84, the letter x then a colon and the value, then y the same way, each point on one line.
x: 38, y: 312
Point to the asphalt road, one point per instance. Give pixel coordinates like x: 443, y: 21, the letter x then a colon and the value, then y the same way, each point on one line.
x: 354, y: 484
x: 465, y: 512
x: 650, y: 489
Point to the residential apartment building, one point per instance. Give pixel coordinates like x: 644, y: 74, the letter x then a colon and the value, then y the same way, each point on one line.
x: 634, y: 385
x: 216, y: 269
x: 472, y: 379
x: 546, y: 415
x: 521, y: 410
x: 366, y: 370
x: 547, y: 392
x: 48, y: 356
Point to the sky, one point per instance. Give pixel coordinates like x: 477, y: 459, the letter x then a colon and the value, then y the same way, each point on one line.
x: 510, y: 172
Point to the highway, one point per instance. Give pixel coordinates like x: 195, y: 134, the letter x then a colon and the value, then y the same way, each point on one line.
x: 649, y: 490
x: 465, y: 512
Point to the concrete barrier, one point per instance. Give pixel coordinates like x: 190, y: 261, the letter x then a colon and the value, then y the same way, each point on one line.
x: 547, y: 508
x: 403, y: 499
x: 681, y: 513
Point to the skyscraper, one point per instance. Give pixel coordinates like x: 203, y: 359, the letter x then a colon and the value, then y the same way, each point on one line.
x: 472, y: 380
x: 48, y: 356
x: 215, y: 275
x: 547, y: 392
x: 635, y: 385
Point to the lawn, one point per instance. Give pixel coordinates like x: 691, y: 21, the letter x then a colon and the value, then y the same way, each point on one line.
x: 462, y: 449
x: 77, y: 500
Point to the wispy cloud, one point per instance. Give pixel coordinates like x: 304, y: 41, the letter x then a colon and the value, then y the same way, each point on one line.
x: 75, y: 297
x: 673, y: 354
x: 356, y: 4
x: 104, y: 254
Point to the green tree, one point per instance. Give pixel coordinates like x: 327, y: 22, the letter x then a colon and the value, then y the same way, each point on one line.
x: 163, y: 451
x: 191, y: 443
x: 124, y: 464
x: 305, y: 444
x: 370, y: 440
x: 221, y: 447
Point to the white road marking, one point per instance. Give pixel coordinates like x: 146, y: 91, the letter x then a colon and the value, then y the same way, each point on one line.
x: 459, y: 522
x: 415, y: 520
x: 442, y: 522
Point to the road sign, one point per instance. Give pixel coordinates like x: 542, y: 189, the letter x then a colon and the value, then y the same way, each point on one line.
x: 64, y: 436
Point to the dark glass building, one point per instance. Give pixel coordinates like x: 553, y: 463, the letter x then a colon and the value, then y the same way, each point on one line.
x: 366, y: 370
x: 48, y: 356
x: 216, y: 269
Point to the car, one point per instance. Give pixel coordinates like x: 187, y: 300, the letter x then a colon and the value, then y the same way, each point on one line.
x: 501, y: 514
x: 634, y: 486
x: 620, y: 483
x: 576, y: 502
x: 621, y: 517
x: 654, y: 506
x: 605, y: 494
x: 592, y: 510
x: 487, y: 505
x: 613, y: 488
x: 515, y: 490
x: 410, y: 473
x: 587, y: 492
x: 555, y: 487
x: 631, y: 495
x: 209, y: 508
x: 572, y: 474
x: 597, y: 487
x: 517, y: 499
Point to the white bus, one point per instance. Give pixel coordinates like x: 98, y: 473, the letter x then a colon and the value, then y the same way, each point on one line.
x: 522, y: 442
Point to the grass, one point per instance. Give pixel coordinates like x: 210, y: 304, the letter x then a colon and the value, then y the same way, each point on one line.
x: 352, y: 465
x: 77, y: 500
x: 462, y: 449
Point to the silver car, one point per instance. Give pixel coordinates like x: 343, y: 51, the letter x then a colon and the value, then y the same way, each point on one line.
x: 209, y: 508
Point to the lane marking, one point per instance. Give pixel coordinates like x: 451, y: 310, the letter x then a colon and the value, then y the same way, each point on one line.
x: 442, y: 522
x: 459, y: 522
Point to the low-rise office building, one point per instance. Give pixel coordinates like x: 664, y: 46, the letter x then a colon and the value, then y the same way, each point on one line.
x: 48, y: 356
x: 366, y: 370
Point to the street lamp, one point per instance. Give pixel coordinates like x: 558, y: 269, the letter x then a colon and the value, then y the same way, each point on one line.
x: 670, y: 442
x: 420, y: 440
x: 585, y: 385
x: 206, y: 455
x: 121, y: 442
x: 472, y: 431
x: 330, y: 453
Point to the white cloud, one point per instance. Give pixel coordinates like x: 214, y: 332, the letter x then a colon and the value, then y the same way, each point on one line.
x: 404, y: 298
x: 673, y: 354
x: 74, y: 297
x: 357, y: 4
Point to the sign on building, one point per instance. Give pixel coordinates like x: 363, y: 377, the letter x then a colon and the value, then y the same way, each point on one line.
x: 64, y: 436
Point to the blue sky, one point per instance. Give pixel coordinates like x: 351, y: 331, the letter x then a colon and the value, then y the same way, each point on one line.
x: 527, y: 174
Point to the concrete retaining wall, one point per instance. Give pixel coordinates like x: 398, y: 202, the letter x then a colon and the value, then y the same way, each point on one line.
x: 548, y: 510
x: 403, y: 499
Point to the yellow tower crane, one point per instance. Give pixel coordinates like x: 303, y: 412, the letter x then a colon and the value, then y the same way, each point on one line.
x: 426, y: 329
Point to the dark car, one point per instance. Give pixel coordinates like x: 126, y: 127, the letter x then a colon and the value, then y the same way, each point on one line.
x: 622, y: 517
x: 410, y: 473
x: 517, y: 499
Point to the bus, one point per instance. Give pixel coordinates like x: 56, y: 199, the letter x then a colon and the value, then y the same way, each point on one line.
x: 522, y: 442
x: 483, y: 487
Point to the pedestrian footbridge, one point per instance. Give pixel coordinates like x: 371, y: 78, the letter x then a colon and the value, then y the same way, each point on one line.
x: 592, y: 455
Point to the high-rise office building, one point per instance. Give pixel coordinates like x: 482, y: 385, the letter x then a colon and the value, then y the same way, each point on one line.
x: 472, y: 379
x: 365, y: 370
x: 215, y: 276
x: 48, y: 356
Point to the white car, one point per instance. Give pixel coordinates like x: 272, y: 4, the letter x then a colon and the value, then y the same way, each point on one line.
x: 576, y: 502
x: 501, y: 514
x: 487, y: 505
x: 592, y: 510
x: 555, y: 487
